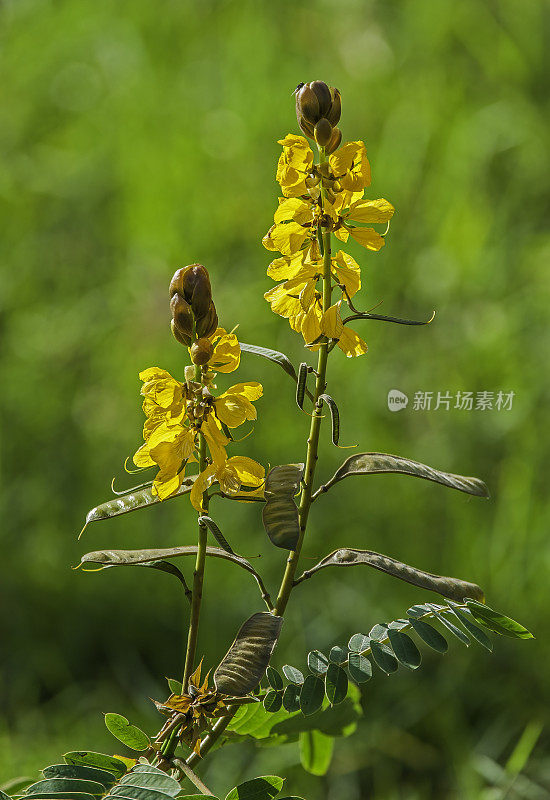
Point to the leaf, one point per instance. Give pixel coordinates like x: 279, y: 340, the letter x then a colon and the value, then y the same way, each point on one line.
x: 138, y: 793
x: 242, y: 668
x: 90, y: 759
x: 311, y: 696
x: 338, y: 655
x: 452, y: 588
x: 292, y: 674
x: 132, y: 501
x: 174, y: 685
x: 61, y: 795
x: 264, y: 788
x: 217, y: 534
x: 273, y: 701
x: 383, y: 657
x: 359, y: 642
x: 280, y: 513
x: 272, y: 355
x: 128, y: 734
x: 430, y: 635
x: 151, y: 780
x: 475, y: 632
x: 378, y: 632
x: 291, y: 697
x: 405, y: 649
x: 317, y: 662
x: 339, y: 720
x: 377, y: 463
x: 336, y: 684
x: 316, y: 752
x: 197, y: 797
x: 450, y: 626
x: 69, y: 785
x: 334, y: 416
x: 101, y: 776
x: 274, y: 678
x: 359, y: 668
x: 498, y: 622
x: 14, y: 787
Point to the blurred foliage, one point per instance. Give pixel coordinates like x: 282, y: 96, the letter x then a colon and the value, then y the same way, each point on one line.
x: 138, y: 137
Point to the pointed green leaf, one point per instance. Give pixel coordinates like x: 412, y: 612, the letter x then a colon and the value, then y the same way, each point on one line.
x: 336, y: 684
x: 316, y: 752
x: 430, y: 635
x: 419, y: 611
x: 273, y: 701
x: 197, y: 797
x: 383, y: 657
x: 128, y: 734
x: 359, y: 642
x: 317, y: 662
x: 274, y: 678
x: 450, y: 626
x: 152, y: 780
x: 137, y: 793
x: 59, y: 796
x: 405, y: 649
x: 242, y: 668
x: 311, y: 696
x: 101, y: 776
x: 476, y: 633
x: 359, y: 668
x: 498, y: 622
x: 174, y: 685
x: 265, y: 788
x: 91, y: 759
x: 338, y: 655
x: 291, y: 697
x: 292, y: 674
x: 271, y: 355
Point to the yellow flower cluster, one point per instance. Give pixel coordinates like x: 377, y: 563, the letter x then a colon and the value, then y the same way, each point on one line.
x: 177, y: 412
x: 324, y: 196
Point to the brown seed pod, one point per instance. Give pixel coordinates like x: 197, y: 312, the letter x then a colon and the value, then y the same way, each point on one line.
x: 201, y: 351
x: 323, y: 132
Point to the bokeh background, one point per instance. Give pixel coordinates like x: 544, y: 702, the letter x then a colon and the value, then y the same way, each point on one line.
x: 137, y: 137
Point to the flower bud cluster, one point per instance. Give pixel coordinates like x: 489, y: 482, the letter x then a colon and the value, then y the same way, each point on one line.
x: 318, y: 109
x: 194, y: 315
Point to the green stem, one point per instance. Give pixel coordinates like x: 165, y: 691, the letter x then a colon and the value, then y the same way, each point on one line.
x: 198, y: 574
x: 315, y: 427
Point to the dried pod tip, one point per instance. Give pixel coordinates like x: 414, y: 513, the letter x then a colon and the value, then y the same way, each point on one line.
x: 201, y: 351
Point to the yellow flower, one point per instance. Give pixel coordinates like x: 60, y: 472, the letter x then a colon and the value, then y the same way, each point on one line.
x: 233, y: 407
x: 368, y: 211
x: 227, y: 351
x: 160, y: 388
x: 170, y: 447
x: 350, y: 166
x: 348, y: 341
x: 294, y: 165
x: 231, y: 474
x: 347, y: 272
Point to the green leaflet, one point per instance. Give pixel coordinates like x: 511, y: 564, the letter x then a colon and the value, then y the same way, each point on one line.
x: 101, y: 776
x: 274, y: 678
x: 337, y: 655
x: 317, y: 662
x: 273, y: 701
x: 336, y: 684
x: 291, y: 697
x: 151, y: 780
x: 91, y: 759
x: 311, y: 696
x: 264, y: 788
x: 68, y: 785
x: 377, y: 463
x: 316, y: 752
x: 241, y: 669
x: 280, y: 513
x: 128, y: 734
x: 405, y: 649
x: 476, y: 633
x: 452, y: 588
x: 383, y: 657
x: 292, y: 674
x: 498, y: 622
x: 359, y: 668
x: 430, y: 635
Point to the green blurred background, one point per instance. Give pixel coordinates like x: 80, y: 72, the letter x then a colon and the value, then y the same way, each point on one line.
x: 138, y: 137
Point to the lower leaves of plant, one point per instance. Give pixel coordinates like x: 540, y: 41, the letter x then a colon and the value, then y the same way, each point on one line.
x: 191, y: 451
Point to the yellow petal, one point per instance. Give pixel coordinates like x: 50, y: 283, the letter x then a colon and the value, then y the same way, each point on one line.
x: 368, y: 237
x: 286, y: 267
x: 142, y: 457
x: 331, y: 322
x: 294, y: 208
x: 307, y: 295
x: 215, y: 440
x: 288, y: 237
x: 342, y: 233
x: 311, y: 324
x: 348, y: 272
x: 252, y: 390
x: 351, y: 343
x: 249, y: 472
x: 201, y: 484
x: 227, y: 354
x: 370, y: 211
x: 234, y: 409
x: 281, y: 302
x: 166, y: 484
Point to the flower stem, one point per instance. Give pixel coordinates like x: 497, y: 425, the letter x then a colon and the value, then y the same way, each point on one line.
x: 313, y: 439
x: 198, y: 574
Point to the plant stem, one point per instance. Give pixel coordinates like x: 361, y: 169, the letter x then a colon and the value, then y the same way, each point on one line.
x: 198, y: 574
x: 313, y: 439
x: 209, y: 741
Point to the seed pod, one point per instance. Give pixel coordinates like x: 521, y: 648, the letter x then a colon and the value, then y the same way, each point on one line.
x: 323, y: 132
x: 207, y: 325
x: 334, y: 142
x: 201, y: 351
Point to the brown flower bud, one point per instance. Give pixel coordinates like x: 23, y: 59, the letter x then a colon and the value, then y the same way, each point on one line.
x: 307, y: 104
x: 315, y: 102
x: 323, y: 132
x: 333, y: 114
x: 306, y: 127
x: 181, y: 337
x: 181, y: 315
x: 324, y: 96
x: 334, y: 143
x: 206, y: 325
x: 201, y: 351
